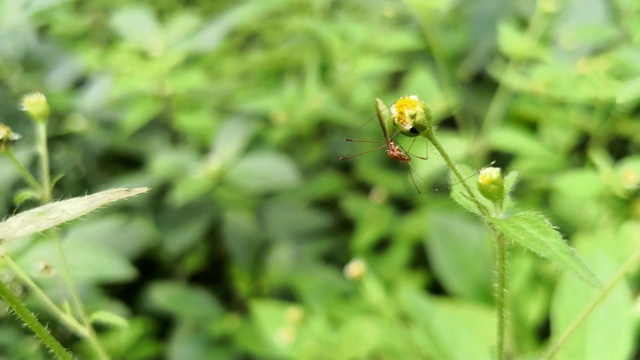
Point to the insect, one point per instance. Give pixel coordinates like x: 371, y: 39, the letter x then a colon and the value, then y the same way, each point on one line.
x: 394, y: 150
x: 412, y: 118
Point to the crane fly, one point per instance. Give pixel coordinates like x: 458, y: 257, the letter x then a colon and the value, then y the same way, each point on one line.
x: 412, y: 118
x: 394, y: 150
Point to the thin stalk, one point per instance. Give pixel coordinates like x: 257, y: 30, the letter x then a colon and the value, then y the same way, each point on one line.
x: 501, y: 293
x: 501, y: 249
x: 626, y: 267
x: 77, y: 303
x: 41, y: 134
x: 32, y: 322
x: 432, y: 138
x: 35, y: 185
x: 70, y: 321
x: 43, y: 152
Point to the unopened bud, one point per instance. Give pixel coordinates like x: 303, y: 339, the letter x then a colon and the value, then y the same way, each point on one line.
x: 491, y: 184
x: 355, y: 270
x: 35, y: 104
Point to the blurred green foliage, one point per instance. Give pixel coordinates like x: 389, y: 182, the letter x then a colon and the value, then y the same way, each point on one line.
x: 235, y: 114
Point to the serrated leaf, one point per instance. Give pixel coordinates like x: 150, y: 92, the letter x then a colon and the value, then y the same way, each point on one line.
x: 59, y: 212
x: 534, y: 232
x: 459, y: 193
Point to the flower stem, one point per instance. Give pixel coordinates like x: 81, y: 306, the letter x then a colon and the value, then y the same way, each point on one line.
x: 35, y: 185
x: 41, y: 133
x: 69, y: 320
x: 432, y: 138
x: 32, y: 322
x: 501, y: 249
x: 90, y: 333
x: 501, y: 292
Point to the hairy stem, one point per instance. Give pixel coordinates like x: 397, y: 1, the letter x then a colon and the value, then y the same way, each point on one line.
x: 43, y: 152
x: 32, y: 322
x: 501, y: 293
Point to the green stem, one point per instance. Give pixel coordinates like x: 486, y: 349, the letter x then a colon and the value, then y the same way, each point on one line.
x: 501, y: 293
x: 432, y: 138
x: 70, y: 321
x: 35, y: 185
x: 501, y: 248
x: 626, y: 267
x: 32, y: 322
x: 77, y: 303
x: 41, y: 133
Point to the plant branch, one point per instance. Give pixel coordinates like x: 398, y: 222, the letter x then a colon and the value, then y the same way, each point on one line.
x: 32, y: 322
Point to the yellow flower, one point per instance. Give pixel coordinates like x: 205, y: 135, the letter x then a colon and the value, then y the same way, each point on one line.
x: 411, y: 115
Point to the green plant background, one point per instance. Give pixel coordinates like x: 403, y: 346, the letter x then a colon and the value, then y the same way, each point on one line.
x: 235, y: 114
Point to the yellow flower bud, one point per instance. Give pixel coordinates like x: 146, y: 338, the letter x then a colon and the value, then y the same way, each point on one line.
x: 35, y: 104
x: 491, y: 184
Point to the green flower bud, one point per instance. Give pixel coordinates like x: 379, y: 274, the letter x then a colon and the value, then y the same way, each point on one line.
x: 412, y: 116
x: 491, y: 184
x: 35, y: 104
x: 7, y: 136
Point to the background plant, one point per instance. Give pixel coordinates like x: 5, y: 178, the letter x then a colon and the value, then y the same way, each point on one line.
x: 235, y: 115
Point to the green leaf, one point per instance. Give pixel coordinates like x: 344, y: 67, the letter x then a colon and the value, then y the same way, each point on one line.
x: 265, y: 171
x: 24, y: 195
x: 59, y: 212
x: 459, y: 250
x: 534, y: 232
x: 139, y: 114
x: 452, y: 329
x: 87, y: 262
x: 630, y: 92
x: 138, y: 26
x: 232, y: 138
x: 185, y: 302
x: 367, y: 233
x: 518, y: 141
x: 515, y: 44
x: 608, y: 332
x: 108, y: 318
x: 510, y: 181
x: 459, y: 193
